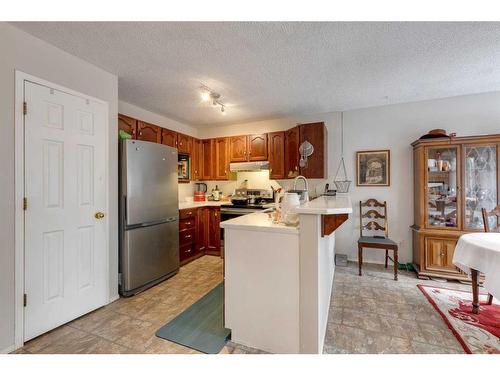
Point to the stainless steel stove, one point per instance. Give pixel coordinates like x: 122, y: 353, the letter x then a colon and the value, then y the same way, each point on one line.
x: 246, y: 201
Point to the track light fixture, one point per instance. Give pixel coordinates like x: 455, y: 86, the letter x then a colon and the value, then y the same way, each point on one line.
x: 207, y: 94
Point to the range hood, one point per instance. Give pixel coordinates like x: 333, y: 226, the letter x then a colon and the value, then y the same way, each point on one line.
x: 251, y: 166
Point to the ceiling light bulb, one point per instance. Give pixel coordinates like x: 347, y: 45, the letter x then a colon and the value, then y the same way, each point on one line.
x: 223, y: 110
x: 214, y: 102
x: 205, y: 96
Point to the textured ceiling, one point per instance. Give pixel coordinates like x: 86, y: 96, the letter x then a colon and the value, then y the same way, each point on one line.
x: 265, y: 70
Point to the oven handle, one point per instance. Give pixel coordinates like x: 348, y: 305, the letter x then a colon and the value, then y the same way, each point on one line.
x: 238, y: 211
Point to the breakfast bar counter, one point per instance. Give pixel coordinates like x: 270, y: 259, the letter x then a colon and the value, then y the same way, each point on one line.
x: 278, y: 279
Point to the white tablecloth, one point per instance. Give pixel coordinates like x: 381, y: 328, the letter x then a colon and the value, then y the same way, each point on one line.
x: 480, y: 251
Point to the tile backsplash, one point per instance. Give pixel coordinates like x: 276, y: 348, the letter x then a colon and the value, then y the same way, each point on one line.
x: 256, y: 180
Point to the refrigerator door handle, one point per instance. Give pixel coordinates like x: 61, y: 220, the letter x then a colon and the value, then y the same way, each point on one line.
x: 125, y: 209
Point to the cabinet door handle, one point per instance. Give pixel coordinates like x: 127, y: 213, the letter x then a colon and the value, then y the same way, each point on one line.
x: 140, y: 133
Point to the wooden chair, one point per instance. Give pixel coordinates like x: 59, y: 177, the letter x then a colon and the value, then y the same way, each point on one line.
x: 372, y: 213
x: 475, y: 274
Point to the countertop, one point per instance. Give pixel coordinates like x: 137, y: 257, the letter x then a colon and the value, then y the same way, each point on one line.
x: 185, y: 205
x: 324, y: 205
x: 258, y: 221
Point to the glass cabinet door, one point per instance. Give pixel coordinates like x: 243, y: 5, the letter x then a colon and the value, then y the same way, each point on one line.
x: 442, y: 179
x: 480, y: 183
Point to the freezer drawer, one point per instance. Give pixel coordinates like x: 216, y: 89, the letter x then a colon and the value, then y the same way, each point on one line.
x: 148, y: 254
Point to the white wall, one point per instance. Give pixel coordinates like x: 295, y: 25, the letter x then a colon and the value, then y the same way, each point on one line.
x: 30, y: 55
x: 392, y: 127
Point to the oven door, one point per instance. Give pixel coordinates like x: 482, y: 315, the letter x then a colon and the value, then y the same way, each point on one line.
x: 233, y: 212
x: 228, y: 213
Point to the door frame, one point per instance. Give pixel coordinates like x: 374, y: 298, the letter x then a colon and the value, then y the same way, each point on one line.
x: 20, y: 78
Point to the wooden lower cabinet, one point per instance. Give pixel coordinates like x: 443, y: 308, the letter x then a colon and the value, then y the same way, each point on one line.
x: 433, y: 255
x: 199, y: 233
x: 213, y: 235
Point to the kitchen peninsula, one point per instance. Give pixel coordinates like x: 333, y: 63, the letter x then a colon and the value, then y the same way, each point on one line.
x: 278, y: 279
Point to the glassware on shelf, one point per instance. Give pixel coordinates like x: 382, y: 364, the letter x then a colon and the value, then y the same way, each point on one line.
x: 442, y: 187
x: 480, y: 183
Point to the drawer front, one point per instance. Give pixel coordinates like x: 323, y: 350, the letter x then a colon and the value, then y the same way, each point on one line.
x: 186, y: 252
x: 187, y: 213
x: 186, y: 237
x: 439, y: 255
x: 187, y: 224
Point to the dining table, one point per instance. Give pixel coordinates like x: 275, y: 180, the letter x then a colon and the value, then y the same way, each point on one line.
x: 476, y: 254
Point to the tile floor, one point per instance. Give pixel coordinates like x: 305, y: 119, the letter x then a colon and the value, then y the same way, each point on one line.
x: 371, y: 314
x: 375, y: 314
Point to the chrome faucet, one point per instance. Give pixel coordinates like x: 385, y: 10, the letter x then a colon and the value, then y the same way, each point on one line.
x: 304, y: 196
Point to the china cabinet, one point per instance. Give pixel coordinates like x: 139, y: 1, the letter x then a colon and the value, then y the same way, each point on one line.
x: 453, y: 180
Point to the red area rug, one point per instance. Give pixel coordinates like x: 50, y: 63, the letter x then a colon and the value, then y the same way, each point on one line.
x: 477, y: 333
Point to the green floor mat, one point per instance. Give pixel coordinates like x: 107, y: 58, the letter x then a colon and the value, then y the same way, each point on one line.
x: 200, y: 326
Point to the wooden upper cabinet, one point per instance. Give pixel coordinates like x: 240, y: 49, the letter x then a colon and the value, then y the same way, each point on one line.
x: 196, y: 159
x: 292, y: 139
x: 184, y: 143
x: 257, y: 147
x: 208, y: 159
x: 238, y: 148
x: 276, y: 155
x: 169, y: 137
x: 128, y: 125
x: 148, y: 132
x: 315, y: 133
x: 221, y: 158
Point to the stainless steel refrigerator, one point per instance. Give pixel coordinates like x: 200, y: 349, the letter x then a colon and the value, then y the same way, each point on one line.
x: 149, y: 215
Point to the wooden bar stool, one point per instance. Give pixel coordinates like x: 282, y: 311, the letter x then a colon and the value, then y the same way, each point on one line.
x: 371, y: 210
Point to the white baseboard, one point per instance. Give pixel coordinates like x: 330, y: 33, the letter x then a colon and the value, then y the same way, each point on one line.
x: 114, y: 298
x: 8, y: 349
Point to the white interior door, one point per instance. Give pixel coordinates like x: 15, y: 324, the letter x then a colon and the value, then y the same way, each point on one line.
x: 66, y: 254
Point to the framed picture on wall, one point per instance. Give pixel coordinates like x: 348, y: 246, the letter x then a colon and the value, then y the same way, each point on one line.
x: 373, y: 168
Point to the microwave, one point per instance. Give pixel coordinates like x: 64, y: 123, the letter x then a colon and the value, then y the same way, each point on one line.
x: 184, y: 168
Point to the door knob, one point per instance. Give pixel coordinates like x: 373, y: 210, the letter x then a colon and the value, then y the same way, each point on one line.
x: 99, y: 215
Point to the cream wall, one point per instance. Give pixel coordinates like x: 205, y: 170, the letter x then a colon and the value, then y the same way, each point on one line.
x: 392, y: 127
x: 21, y: 51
